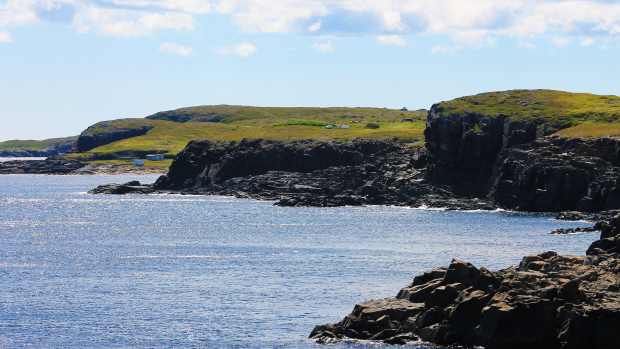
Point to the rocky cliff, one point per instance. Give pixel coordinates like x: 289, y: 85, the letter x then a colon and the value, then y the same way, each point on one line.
x: 548, y: 301
x: 554, y: 174
x: 106, y: 132
x: 307, y: 173
x: 514, y: 164
x: 464, y: 148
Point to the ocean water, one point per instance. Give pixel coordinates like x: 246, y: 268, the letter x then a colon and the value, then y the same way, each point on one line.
x: 2, y: 159
x: 83, y: 271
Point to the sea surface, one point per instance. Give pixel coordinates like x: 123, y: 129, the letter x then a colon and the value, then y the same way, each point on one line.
x: 166, y: 271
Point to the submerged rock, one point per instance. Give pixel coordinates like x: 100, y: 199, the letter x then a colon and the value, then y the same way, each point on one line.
x: 547, y: 301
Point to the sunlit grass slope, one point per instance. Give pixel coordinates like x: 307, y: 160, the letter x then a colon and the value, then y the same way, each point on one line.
x: 33, y: 145
x: 557, y: 108
x: 235, y: 123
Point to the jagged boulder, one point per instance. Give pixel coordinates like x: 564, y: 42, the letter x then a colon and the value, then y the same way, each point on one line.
x: 133, y: 187
x: 548, y: 301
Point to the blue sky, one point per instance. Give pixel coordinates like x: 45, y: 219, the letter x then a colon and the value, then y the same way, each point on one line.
x: 66, y: 64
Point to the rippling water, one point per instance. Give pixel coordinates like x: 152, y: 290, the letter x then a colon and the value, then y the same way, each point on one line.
x: 22, y: 159
x: 169, y: 271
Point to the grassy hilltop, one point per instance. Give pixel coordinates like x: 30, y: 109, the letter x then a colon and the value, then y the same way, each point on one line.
x: 170, y: 131
x: 34, y: 145
x: 575, y: 114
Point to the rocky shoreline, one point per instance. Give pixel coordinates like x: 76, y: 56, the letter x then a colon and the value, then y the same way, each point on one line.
x: 306, y: 173
x: 468, y: 162
x: 47, y: 166
x: 547, y: 301
x: 60, y: 166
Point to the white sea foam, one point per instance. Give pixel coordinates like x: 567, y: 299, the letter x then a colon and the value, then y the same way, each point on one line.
x: 209, y: 257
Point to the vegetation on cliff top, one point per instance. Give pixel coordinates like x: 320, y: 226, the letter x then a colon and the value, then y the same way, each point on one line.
x: 234, y: 113
x: 574, y: 114
x: 34, y: 145
x: 171, y: 131
x: 563, y: 109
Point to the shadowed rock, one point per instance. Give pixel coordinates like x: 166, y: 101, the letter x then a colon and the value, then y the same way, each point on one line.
x: 308, y: 173
x: 49, y: 166
x: 547, y: 301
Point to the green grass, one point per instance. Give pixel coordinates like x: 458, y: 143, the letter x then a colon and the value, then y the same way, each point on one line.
x: 233, y: 113
x: 36, y: 145
x: 284, y: 124
x: 591, y: 130
x: 297, y: 122
x: 562, y: 108
x: 163, y: 165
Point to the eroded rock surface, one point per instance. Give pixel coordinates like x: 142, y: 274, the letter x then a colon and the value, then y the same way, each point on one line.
x: 309, y: 173
x: 560, y: 174
x: 133, y: 187
x: 49, y: 166
x: 547, y: 301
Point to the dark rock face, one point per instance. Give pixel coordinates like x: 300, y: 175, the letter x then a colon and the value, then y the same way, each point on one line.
x: 464, y: 148
x: 49, y: 166
x: 90, y: 138
x: 309, y: 173
x: 548, y: 301
x: 512, y: 164
x: 133, y: 187
x: 560, y: 174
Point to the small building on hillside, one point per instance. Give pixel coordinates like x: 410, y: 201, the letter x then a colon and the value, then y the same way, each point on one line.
x: 155, y: 157
x: 138, y: 162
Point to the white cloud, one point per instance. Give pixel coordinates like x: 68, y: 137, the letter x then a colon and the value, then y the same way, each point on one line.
x: 129, y: 23
x: 17, y: 12
x: 244, y: 50
x: 314, y: 27
x: 560, y: 41
x: 526, y: 44
x: 273, y: 16
x: 442, y: 49
x: 190, y: 6
x: 394, y: 40
x: 176, y: 49
x: 464, y: 23
x: 587, y: 41
x: 5, y: 38
x: 324, y: 46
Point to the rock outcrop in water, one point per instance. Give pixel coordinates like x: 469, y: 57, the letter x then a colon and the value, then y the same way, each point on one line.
x: 548, y: 301
x: 547, y: 174
x: 48, y: 166
x: 308, y: 173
